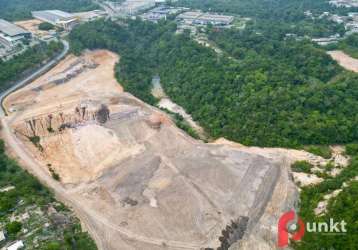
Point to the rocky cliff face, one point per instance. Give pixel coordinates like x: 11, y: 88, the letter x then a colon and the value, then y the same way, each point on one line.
x: 56, y: 122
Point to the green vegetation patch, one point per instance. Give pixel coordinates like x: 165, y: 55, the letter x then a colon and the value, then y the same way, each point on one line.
x: 343, y: 207
x: 12, y: 228
x: 20, y: 9
x: 352, y: 149
x: 301, y: 166
x: 46, y: 26
x: 182, y: 124
x: 323, y: 151
x: 30, y: 204
x: 23, y: 64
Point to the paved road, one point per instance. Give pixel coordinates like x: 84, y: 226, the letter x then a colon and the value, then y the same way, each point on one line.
x: 34, y: 75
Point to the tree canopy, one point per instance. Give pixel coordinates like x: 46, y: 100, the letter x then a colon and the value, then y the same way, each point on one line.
x: 20, y: 9
x: 263, y: 91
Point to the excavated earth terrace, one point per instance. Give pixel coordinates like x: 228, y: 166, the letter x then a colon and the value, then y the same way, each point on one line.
x: 134, y: 178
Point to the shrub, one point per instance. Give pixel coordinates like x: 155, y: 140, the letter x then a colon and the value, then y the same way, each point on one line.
x: 46, y: 26
x: 13, y: 228
x: 301, y: 166
x: 352, y: 149
x: 54, y: 245
x: 54, y: 175
x: 323, y: 151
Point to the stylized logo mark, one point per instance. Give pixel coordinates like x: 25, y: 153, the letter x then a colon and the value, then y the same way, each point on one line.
x: 283, y: 231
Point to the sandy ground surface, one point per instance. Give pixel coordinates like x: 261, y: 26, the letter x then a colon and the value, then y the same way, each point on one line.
x: 175, y: 108
x: 338, y: 159
x: 345, y: 60
x: 166, y: 103
x: 32, y: 25
x: 135, y: 180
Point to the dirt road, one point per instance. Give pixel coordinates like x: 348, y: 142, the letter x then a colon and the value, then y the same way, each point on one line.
x: 34, y: 75
x: 32, y: 166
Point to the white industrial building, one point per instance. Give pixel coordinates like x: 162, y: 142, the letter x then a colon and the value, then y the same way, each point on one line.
x: 200, y: 18
x: 17, y: 245
x: 57, y: 17
x: 11, y: 34
x: 90, y: 15
x: 131, y: 7
x: 344, y: 3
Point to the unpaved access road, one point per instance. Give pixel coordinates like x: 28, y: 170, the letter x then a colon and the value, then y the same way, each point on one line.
x: 34, y: 75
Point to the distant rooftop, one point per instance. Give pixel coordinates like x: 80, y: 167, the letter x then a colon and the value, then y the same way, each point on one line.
x: 53, y: 15
x: 218, y: 18
x: 17, y: 245
x: 199, y: 16
x: 190, y: 15
x: 11, y: 29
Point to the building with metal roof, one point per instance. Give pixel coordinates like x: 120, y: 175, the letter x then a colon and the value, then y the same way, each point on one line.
x: 11, y: 29
x: 198, y: 17
x: 56, y: 17
x: 11, y: 34
x: 17, y: 245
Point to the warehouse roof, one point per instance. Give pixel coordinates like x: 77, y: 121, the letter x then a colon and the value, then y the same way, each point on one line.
x: 11, y: 29
x: 217, y: 18
x: 53, y: 15
x: 190, y: 15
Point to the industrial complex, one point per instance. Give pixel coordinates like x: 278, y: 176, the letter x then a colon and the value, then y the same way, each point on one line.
x: 344, y: 3
x: 161, y: 12
x: 11, y: 34
x: 200, y: 18
x: 130, y: 7
x: 57, y: 17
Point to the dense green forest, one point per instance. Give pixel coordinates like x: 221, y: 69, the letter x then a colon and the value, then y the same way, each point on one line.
x: 27, y: 187
x: 272, y: 93
x: 29, y: 192
x: 22, y: 64
x: 20, y: 9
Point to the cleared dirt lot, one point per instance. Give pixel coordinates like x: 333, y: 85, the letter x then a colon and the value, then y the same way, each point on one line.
x: 136, y: 180
x: 32, y: 25
x: 345, y: 60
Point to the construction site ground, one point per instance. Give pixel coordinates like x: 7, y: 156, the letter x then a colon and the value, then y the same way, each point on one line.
x: 135, y: 179
x: 32, y: 25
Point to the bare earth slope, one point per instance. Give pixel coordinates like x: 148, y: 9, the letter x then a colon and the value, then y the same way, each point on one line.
x: 136, y: 180
x: 345, y: 60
